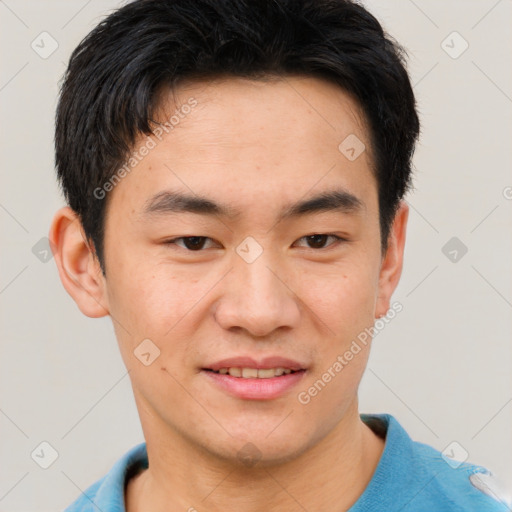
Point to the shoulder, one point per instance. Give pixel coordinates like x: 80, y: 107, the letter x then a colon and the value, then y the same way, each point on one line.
x: 456, y: 485
x: 85, y: 502
x: 107, y: 494
x: 413, y: 476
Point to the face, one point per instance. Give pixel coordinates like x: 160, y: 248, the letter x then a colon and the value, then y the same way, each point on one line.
x: 245, y: 242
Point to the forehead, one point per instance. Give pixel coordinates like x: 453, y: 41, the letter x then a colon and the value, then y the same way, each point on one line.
x: 271, y: 102
x: 273, y: 138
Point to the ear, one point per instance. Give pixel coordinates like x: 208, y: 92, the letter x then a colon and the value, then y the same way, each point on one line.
x: 78, y: 266
x: 392, y: 261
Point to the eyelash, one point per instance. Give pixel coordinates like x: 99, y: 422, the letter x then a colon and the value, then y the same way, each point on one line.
x: 337, y: 241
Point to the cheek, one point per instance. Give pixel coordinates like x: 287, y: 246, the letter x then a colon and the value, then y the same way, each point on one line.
x: 151, y: 300
x: 342, y: 300
x: 167, y: 306
x: 150, y: 316
x: 342, y: 304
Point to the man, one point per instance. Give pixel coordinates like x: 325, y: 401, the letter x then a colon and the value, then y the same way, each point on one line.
x: 235, y: 173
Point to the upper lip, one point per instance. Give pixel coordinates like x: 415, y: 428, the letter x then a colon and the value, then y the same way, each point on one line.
x: 249, y: 362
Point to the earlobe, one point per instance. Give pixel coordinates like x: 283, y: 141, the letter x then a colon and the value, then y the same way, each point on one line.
x: 392, y: 262
x: 78, y: 267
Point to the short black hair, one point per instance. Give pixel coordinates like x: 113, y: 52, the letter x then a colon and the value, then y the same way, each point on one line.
x: 110, y: 89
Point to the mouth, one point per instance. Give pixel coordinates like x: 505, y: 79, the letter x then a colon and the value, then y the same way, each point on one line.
x: 254, y: 373
x: 248, y: 379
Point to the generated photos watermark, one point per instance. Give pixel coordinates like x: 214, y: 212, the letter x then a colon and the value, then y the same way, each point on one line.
x: 144, y: 149
x: 363, y: 338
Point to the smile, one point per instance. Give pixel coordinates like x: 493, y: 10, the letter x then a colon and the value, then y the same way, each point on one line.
x: 254, y: 373
x: 254, y: 383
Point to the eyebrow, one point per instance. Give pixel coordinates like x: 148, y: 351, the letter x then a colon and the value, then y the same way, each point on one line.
x: 168, y: 202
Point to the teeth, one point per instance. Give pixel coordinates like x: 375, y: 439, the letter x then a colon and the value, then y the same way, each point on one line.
x: 250, y: 373
x: 255, y: 373
x: 266, y: 373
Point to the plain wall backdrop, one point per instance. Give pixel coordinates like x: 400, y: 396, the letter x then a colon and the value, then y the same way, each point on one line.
x: 442, y: 366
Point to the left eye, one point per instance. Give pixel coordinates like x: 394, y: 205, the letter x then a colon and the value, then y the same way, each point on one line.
x: 319, y: 241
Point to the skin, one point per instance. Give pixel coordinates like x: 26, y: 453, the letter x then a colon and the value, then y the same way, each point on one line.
x: 256, y: 147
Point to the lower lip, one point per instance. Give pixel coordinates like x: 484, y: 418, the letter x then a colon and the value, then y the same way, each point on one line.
x: 256, y: 389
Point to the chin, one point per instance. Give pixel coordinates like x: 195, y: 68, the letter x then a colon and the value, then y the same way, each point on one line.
x: 260, y: 449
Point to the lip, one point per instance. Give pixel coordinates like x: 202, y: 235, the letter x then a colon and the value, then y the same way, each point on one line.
x: 249, y: 362
x: 255, y: 389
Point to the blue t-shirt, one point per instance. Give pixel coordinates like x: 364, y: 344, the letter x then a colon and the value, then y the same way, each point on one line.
x: 410, y: 477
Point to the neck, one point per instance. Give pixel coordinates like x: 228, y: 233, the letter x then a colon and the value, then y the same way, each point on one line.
x: 188, y: 478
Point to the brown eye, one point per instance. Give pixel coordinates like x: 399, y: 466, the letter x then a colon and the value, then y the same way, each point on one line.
x: 194, y: 243
x: 191, y: 243
x: 319, y: 241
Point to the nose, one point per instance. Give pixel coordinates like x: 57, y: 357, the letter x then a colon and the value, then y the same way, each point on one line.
x: 257, y: 299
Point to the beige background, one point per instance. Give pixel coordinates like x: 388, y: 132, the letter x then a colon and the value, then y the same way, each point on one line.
x: 442, y: 367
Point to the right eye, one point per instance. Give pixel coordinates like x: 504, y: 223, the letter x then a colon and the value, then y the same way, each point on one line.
x: 191, y: 243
